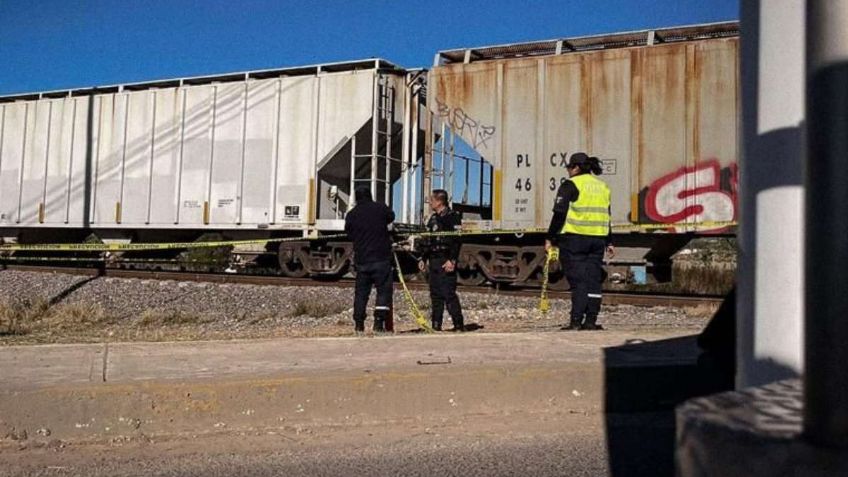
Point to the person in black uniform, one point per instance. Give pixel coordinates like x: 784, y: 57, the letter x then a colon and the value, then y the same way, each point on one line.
x: 581, y: 227
x: 439, y: 257
x: 367, y: 227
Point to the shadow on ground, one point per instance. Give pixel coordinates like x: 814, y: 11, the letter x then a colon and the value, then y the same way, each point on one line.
x: 644, y: 382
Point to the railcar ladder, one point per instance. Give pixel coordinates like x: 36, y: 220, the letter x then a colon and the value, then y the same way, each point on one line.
x: 383, y: 132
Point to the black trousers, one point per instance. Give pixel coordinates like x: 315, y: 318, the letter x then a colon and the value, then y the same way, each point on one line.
x: 443, y: 293
x: 582, y: 259
x: 377, y: 275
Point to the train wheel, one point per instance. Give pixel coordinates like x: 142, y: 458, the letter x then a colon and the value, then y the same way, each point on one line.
x: 293, y: 269
x: 557, y: 281
x: 470, y: 276
x: 290, y: 265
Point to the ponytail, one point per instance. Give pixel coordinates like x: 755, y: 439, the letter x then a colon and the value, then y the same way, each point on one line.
x: 595, y: 166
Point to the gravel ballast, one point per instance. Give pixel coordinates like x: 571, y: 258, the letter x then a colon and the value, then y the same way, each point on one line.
x: 123, y: 309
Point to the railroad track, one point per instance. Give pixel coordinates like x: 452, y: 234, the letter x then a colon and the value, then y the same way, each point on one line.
x: 610, y: 297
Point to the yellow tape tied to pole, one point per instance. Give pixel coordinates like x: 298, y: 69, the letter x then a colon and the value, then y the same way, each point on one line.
x: 552, y: 256
x: 413, y: 308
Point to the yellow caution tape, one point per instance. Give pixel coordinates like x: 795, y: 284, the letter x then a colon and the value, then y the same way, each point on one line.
x: 615, y: 228
x: 413, y: 308
x: 552, y: 256
x: 129, y: 247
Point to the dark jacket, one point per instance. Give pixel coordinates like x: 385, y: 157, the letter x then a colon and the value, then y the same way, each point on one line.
x: 367, y: 227
x: 443, y: 246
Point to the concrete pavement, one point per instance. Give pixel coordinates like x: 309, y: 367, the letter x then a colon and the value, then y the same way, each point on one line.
x: 27, y: 367
x: 553, y: 403
x: 101, y: 392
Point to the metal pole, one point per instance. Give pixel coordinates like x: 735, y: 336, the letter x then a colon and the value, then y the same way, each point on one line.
x: 826, y: 304
x: 413, y: 189
x: 404, y: 155
x: 375, y: 125
x: 352, y: 195
x: 770, y: 280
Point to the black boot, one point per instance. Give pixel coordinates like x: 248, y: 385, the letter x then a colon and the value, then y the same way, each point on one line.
x: 590, y: 324
x: 380, y: 321
x: 436, y: 325
x: 573, y: 325
x: 359, y: 326
x: 458, y: 325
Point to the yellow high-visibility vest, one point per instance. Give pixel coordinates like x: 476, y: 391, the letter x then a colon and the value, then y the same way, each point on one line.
x: 589, y: 214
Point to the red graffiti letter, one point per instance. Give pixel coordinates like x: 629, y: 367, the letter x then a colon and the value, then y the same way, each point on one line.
x: 692, y: 195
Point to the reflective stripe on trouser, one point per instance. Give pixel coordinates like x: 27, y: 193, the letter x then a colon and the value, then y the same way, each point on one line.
x: 373, y: 275
x: 443, y: 294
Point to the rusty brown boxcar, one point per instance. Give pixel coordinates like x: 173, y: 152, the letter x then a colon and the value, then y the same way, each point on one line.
x: 659, y: 107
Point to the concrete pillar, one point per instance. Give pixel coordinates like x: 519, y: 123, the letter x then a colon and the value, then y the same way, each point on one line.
x: 826, y: 370
x: 770, y: 281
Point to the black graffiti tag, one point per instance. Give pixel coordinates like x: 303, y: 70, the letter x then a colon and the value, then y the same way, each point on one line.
x: 463, y: 124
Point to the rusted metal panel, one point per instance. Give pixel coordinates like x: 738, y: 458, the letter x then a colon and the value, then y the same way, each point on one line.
x: 565, y: 123
x: 608, y: 87
x: 662, y: 118
x: 694, y: 114
x: 472, y: 89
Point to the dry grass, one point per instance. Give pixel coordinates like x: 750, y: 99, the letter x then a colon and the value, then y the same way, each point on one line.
x: 17, y: 318
x: 76, y: 316
x: 36, y: 315
x: 710, y: 280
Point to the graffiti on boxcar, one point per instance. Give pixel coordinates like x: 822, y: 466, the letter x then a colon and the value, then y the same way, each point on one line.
x: 705, y: 192
x: 464, y: 125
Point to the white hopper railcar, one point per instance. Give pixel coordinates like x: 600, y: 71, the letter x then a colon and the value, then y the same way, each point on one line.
x: 258, y: 154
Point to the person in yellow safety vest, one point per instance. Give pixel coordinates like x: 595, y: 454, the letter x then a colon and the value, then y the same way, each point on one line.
x: 580, y: 227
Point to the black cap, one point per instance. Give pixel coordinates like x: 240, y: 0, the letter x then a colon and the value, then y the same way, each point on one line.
x: 578, y: 159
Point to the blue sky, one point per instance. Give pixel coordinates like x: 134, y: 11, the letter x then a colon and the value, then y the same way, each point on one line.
x: 59, y: 44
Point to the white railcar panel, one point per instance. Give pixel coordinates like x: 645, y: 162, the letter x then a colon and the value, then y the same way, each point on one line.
x: 166, y: 156
x: 296, y: 148
x: 35, y: 160
x: 110, y: 156
x: 137, y: 157
x: 76, y: 194
x: 520, y: 102
x: 259, y: 154
x: 58, y: 161
x: 227, y: 153
x: 197, y: 153
x: 11, y: 158
x: 345, y: 106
